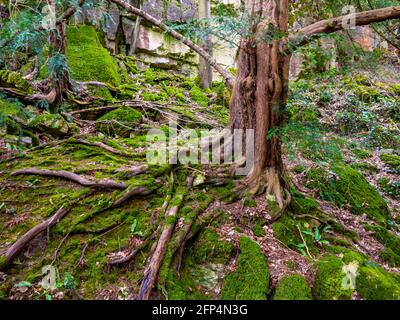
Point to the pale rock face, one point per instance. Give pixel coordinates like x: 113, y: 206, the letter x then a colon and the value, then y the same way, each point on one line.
x: 155, y: 49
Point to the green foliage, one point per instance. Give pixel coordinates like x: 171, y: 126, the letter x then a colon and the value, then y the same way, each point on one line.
x: 293, y: 287
x: 211, y: 247
x: 390, y: 188
x: 388, y: 239
x: 199, y: 96
x: 250, y: 281
x: 13, y: 79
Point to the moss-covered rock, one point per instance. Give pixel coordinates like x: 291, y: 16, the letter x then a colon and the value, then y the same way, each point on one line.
x: 293, y: 287
x: 12, y: 79
x: 199, y: 96
x: 374, y: 283
x: 89, y: 61
x: 389, y: 240
x: 250, y: 281
x: 348, y: 186
x: 209, y: 247
x: 329, y: 279
x: 53, y: 124
x: 119, y: 122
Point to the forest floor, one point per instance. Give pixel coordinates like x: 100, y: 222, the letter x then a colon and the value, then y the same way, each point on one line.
x: 339, y: 239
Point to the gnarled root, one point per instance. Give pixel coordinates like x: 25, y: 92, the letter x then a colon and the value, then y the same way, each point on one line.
x: 270, y: 181
x: 107, y: 184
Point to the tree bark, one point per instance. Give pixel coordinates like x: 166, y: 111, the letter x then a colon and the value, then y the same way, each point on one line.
x: 304, y: 35
x: 205, y: 71
x: 259, y: 97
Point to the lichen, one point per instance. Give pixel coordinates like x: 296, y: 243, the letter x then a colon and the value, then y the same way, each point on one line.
x: 292, y: 287
x: 250, y: 281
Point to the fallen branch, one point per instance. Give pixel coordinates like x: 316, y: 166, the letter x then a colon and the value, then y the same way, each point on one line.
x: 106, y: 184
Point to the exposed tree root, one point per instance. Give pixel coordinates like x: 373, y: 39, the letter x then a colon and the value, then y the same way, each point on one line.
x: 154, y: 265
x: 102, y: 146
x: 189, y: 231
x: 270, y: 182
x: 13, y: 251
x: 134, y: 191
x: 160, y: 247
x: 106, y: 184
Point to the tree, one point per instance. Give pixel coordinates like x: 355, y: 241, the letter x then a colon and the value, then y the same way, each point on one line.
x: 52, y: 25
x: 261, y: 87
x: 205, y: 70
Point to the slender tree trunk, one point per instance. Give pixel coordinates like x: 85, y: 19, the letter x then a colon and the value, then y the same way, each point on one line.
x: 205, y: 70
x: 260, y: 94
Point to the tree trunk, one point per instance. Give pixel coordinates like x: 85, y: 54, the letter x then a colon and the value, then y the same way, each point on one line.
x: 259, y: 97
x: 205, y: 71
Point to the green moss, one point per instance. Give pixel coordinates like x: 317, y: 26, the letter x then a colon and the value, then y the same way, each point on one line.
x: 374, y: 283
x: 329, y: 278
x: 250, y: 281
x: 348, y: 186
x: 303, y: 114
x: 119, y: 121
x: 390, y: 257
x: 149, y: 96
x: 286, y: 230
x: 53, y: 124
x: 14, y: 80
x: 365, y: 93
x: 127, y: 90
x: 199, y: 96
x: 390, y: 188
x: 3, y: 262
x: 362, y: 153
x: 386, y: 237
x: 293, y: 287
x: 87, y: 59
x: 302, y: 204
x: 209, y: 246
x: 392, y: 161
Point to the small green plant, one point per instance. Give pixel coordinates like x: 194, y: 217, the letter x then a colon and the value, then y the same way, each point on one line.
x: 69, y: 281
x: 317, y: 237
x: 133, y: 229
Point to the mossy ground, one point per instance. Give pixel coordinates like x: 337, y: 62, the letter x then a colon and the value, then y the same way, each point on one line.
x: 332, y: 160
x: 250, y: 281
x: 293, y: 287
